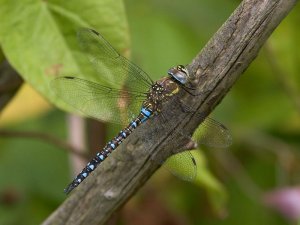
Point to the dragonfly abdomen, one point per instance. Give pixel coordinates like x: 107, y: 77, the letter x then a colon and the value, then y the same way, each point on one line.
x: 144, y: 115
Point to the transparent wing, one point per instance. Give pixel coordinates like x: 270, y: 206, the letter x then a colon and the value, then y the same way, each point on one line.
x: 213, y: 134
x: 97, y: 101
x: 182, y: 165
x: 113, y: 68
x: 210, y: 133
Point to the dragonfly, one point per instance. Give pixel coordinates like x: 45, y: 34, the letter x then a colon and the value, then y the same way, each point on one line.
x: 124, y: 88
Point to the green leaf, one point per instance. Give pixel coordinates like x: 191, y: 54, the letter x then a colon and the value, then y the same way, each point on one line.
x: 39, y: 37
x: 215, y: 190
x: 181, y: 167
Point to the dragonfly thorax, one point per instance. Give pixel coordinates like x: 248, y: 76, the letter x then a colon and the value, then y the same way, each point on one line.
x: 166, y: 87
x: 159, y: 92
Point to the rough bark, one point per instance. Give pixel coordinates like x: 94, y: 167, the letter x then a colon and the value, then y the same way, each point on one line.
x: 215, y: 68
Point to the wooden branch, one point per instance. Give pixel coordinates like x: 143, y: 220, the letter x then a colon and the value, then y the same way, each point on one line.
x: 216, y: 68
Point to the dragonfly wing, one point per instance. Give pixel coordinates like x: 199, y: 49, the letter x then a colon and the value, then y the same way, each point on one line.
x: 182, y: 165
x: 110, y: 65
x: 213, y: 134
x: 95, y: 100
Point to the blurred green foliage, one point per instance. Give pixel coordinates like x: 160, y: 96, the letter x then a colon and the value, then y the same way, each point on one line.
x: 262, y: 110
x: 44, y: 33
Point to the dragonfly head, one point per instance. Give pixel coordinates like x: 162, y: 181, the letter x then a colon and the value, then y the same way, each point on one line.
x: 179, y: 73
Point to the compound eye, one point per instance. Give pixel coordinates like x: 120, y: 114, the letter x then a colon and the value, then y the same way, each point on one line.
x: 180, y: 73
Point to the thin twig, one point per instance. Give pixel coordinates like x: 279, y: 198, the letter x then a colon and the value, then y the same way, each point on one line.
x: 235, y: 168
x: 43, y: 137
x: 283, y: 77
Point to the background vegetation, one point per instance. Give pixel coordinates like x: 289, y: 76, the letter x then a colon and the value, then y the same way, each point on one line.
x: 255, y: 181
